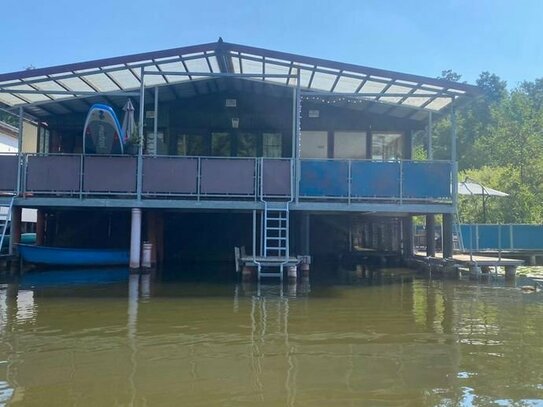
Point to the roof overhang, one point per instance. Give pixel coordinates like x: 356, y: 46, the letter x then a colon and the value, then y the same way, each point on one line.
x: 316, y: 78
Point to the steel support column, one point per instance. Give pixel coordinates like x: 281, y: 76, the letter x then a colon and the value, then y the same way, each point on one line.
x: 20, y: 150
x: 15, y: 228
x: 407, y: 236
x: 140, y: 134
x: 135, y: 239
x: 430, y: 236
x: 155, y: 124
x: 447, y: 237
x: 454, y: 158
x: 430, y: 153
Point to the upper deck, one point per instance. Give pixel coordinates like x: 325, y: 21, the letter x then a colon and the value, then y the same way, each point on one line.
x: 228, y: 126
x: 227, y: 183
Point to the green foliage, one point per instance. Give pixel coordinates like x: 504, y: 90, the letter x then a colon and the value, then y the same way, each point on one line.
x: 499, y: 144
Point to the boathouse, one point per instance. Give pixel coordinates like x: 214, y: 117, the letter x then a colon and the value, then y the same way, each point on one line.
x: 282, y: 154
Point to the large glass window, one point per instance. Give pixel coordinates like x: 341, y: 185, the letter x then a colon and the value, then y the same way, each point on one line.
x: 314, y: 144
x: 191, y: 144
x: 247, y: 145
x: 349, y: 144
x: 272, y: 145
x: 387, y: 146
x: 221, y: 144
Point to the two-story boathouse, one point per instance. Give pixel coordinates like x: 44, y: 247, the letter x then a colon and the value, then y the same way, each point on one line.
x: 243, y: 146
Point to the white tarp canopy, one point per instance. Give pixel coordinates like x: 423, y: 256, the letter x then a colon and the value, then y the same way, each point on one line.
x: 473, y: 188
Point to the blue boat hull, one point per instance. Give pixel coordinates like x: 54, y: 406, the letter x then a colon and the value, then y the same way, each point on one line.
x: 61, y: 256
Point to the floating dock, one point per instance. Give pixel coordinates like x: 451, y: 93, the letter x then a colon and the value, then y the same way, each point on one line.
x: 477, y: 264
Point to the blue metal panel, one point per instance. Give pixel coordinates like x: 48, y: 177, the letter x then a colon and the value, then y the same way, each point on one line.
x: 426, y: 179
x: 324, y: 178
x: 375, y: 179
x: 528, y: 237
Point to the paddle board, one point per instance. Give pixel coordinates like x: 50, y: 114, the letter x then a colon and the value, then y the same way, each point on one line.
x: 102, y: 133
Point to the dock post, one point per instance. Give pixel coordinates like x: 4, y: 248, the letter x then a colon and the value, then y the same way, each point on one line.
x: 305, y: 233
x: 474, y: 269
x: 247, y: 273
x: 430, y: 236
x: 510, y: 272
x: 292, y: 272
x: 15, y: 235
x: 407, y: 236
x: 135, y: 239
x: 447, y: 237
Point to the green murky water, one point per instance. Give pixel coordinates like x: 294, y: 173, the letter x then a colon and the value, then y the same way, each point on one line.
x: 74, y: 339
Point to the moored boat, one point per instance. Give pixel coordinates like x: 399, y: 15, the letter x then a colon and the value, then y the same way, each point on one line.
x: 63, y: 256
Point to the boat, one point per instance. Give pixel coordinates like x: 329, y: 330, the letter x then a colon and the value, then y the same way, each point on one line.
x: 26, y: 238
x: 102, y: 133
x: 64, y: 256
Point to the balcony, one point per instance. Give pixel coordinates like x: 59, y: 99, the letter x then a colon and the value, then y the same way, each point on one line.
x: 227, y: 179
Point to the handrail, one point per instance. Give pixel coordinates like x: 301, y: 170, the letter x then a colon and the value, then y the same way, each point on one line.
x: 350, y: 195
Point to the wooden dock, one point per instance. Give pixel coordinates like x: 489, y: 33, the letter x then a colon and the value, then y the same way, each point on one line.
x: 475, y: 263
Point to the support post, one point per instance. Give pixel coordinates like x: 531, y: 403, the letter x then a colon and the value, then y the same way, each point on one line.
x: 152, y: 234
x: 135, y: 239
x: 140, y: 133
x: 20, y: 150
x: 297, y: 134
x: 447, y: 237
x: 155, y: 124
x: 430, y: 152
x: 159, y: 223
x: 430, y: 236
x: 407, y: 236
x: 305, y: 233
x: 510, y: 272
x: 15, y: 231
x: 454, y: 159
x: 40, y: 227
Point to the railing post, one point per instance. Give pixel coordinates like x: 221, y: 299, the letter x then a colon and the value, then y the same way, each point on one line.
x: 499, y: 242
x: 477, y: 237
x: 401, y: 181
x: 19, y: 150
x: 199, y: 178
x: 257, y: 178
x: 81, y: 159
x: 511, y: 235
x: 350, y: 179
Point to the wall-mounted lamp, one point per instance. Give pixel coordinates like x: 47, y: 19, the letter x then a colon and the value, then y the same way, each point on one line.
x: 235, y: 122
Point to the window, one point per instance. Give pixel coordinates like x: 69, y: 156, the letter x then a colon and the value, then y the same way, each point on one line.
x: 387, y: 146
x: 314, y: 144
x: 191, y: 144
x: 350, y: 144
x: 272, y: 145
x: 221, y: 145
x: 247, y: 145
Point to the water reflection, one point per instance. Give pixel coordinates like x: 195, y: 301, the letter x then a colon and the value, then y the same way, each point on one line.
x: 371, y: 338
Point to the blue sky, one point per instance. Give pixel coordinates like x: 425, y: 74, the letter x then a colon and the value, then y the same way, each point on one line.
x: 412, y: 36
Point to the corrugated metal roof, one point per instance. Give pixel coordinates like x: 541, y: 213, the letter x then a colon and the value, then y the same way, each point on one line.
x: 50, y: 87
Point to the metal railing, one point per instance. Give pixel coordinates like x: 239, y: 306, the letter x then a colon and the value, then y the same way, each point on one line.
x: 235, y: 178
x: 507, y: 237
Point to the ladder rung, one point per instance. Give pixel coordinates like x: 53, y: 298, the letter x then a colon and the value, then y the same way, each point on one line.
x: 275, y: 238
x: 276, y: 228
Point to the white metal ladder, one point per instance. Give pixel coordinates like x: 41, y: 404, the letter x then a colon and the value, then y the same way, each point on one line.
x: 275, y: 238
x: 5, y: 220
x: 459, y: 246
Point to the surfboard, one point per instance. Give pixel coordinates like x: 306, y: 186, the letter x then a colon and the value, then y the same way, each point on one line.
x: 102, y: 133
